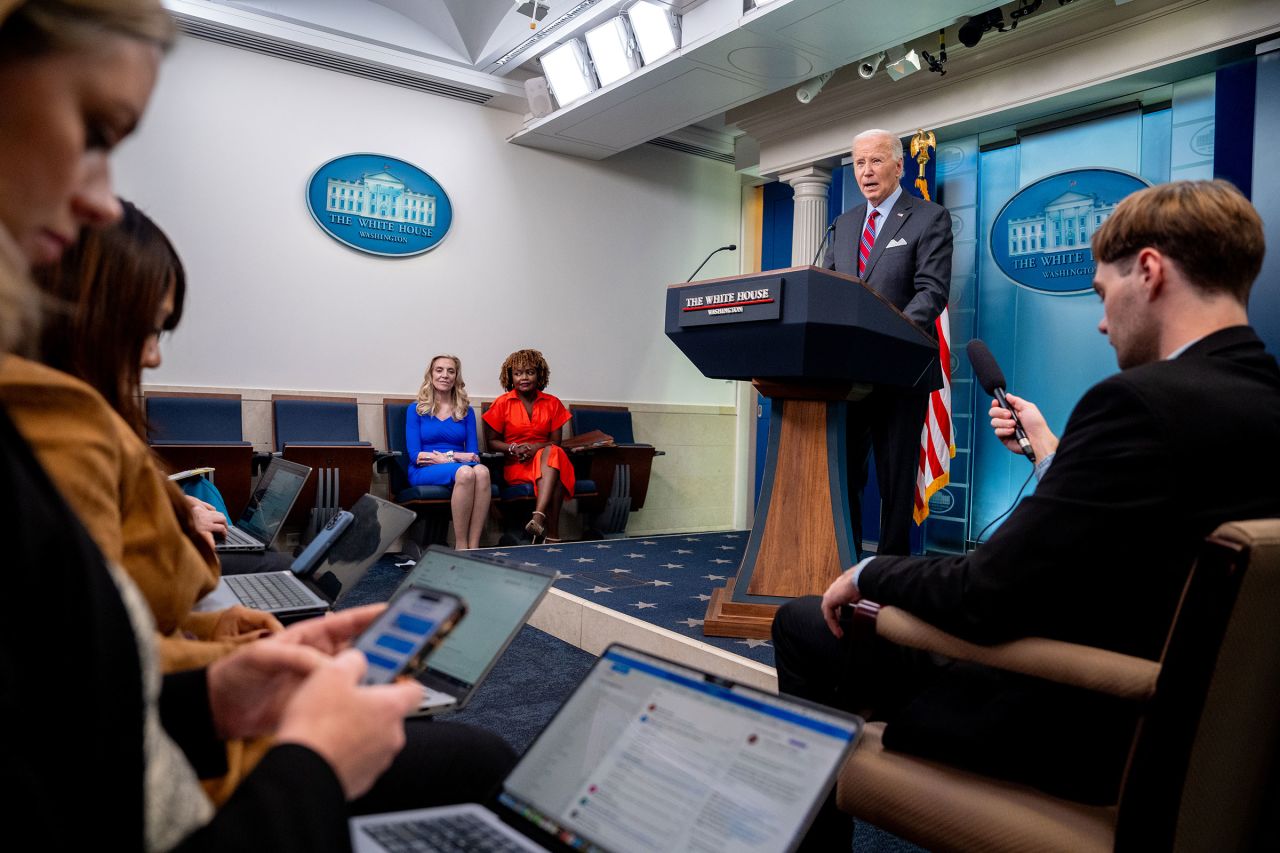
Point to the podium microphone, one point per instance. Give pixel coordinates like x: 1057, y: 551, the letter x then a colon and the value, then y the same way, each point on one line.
x: 732, y: 247
x: 826, y: 235
x: 991, y: 378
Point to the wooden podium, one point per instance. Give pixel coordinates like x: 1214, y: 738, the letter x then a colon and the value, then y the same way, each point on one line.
x: 810, y: 340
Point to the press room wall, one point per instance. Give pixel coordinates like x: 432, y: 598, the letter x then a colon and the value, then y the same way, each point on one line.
x: 546, y: 251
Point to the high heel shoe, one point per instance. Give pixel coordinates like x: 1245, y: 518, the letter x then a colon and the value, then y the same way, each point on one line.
x: 535, y: 527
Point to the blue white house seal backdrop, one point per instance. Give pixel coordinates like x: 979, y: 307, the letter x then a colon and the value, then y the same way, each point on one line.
x: 1041, y: 237
x: 379, y: 204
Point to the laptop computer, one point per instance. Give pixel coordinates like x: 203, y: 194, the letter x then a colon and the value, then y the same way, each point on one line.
x: 648, y: 755
x: 259, y: 525
x: 289, y: 596
x: 500, y: 596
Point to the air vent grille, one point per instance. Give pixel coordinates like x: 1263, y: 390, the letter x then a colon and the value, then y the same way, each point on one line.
x: 695, y: 150
x: 208, y: 31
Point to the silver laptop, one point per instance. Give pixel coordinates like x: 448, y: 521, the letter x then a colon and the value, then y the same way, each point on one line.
x: 259, y: 525
x: 289, y: 596
x: 500, y: 596
x: 648, y: 756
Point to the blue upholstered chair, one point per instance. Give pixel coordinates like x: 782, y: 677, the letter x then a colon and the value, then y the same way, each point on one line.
x: 324, y: 433
x: 197, y: 431
x: 619, y: 474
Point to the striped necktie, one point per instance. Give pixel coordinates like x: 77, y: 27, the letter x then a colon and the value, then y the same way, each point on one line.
x: 868, y: 240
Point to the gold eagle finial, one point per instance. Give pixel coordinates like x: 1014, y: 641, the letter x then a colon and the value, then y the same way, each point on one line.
x: 920, y: 145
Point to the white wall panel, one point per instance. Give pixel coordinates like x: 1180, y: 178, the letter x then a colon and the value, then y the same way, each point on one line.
x: 547, y: 251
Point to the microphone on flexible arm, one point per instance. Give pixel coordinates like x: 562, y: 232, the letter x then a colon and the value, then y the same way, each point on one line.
x: 732, y: 247
x: 826, y: 235
x: 991, y: 378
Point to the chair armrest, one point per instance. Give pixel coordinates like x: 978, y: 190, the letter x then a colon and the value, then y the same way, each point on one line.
x: 261, y: 459
x: 1094, y: 669
x: 382, y: 459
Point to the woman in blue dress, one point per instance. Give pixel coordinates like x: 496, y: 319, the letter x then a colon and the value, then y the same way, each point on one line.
x: 440, y: 437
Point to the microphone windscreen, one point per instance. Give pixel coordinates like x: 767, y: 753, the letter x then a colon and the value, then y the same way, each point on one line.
x: 988, y: 373
x: 733, y: 247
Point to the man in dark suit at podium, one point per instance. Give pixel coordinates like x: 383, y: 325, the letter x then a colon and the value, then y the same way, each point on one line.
x: 901, y: 247
x: 1152, y: 460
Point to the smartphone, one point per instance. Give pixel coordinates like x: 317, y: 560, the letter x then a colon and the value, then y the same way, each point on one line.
x: 399, y: 641
x: 306, y: 561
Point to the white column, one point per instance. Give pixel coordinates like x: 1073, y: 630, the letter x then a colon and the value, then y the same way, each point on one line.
x: 810, y: 184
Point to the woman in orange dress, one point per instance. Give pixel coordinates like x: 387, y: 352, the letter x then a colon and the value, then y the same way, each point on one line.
x: 526, y: 427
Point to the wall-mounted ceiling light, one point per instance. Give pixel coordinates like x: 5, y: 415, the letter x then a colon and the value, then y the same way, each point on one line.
x: 657, y: 30
x: 568, y: 72
x: 907, y: 63
x: 613, y: 50
x: 810, y: 88
x: 867, y: 68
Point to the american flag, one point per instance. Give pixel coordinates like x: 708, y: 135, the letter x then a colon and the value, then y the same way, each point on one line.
x: 937, y: 442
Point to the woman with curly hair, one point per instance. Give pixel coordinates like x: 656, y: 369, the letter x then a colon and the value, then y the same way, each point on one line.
x: 527, y: 426
x: 440, y: 439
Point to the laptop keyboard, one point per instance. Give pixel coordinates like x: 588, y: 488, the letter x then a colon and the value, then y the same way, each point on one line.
x: 268, y: 592
x: 449, y: 834
x: 237, y: 539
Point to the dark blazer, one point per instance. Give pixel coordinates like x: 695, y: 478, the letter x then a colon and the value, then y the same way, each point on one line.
x: 1100, y: 552
x: 914, y: 275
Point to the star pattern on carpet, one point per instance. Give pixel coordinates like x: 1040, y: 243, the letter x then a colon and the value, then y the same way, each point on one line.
x: 527, y: 563
x: 405, y: 564
x: 663, y: 580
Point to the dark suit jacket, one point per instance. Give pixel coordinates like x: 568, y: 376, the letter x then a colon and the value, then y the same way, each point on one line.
x: 914, y: 275
x: 1100, y: 552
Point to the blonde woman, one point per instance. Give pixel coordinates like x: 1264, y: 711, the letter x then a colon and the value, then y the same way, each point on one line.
x: 440, y: 439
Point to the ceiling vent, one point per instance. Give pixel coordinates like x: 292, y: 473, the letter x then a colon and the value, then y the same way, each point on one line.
x: 695, y: 150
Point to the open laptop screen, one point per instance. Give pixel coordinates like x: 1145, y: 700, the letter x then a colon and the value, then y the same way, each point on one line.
x: 272, y: 500
x: 375, y: 528
x: 498, y: 599
x: 650, y: 756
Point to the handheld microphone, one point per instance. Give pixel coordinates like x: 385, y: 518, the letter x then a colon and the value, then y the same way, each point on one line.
x: 825, y: 237
x: 732, y: 247
x: 991, y: 378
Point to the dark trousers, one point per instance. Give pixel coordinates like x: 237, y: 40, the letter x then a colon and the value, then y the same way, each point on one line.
x: 441, y: 764
x: 860, y: 674
x: 887, y: 422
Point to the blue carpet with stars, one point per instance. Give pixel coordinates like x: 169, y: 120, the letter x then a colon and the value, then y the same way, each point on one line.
x: 663, y: 580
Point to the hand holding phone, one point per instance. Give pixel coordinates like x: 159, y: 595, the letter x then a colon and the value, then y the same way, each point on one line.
x: 399, y: 641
